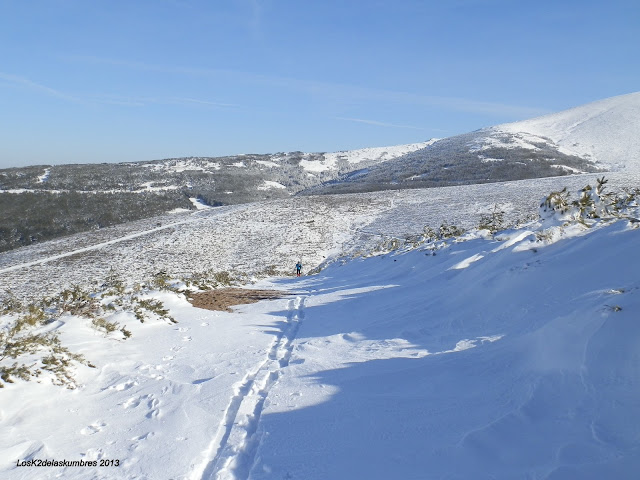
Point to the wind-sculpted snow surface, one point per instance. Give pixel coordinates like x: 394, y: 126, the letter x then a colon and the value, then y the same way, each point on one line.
x: 520, y: 364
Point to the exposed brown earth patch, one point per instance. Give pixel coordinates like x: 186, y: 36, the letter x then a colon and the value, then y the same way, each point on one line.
x: 223, y: 298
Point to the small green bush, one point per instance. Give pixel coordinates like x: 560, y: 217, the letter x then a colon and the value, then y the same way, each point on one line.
x: 449, y: 231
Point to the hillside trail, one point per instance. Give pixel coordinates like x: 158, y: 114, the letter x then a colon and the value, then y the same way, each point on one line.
x: 231, y: 453
x: 98, y: 246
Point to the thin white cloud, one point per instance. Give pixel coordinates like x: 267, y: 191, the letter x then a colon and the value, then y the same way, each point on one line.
x: 332, y: 90
x: 13, y: 81
x: 17, y: 81
x: 144, y: 101
x: 379, y: 124
x: 192, y: 101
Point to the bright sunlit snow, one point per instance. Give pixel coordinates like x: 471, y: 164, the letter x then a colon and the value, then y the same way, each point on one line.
x: 267, y: 184
x: 356, y: 156
x: 607, y: 131
x: 521, y: 365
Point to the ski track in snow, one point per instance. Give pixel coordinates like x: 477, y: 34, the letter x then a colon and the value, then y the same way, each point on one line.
x: 231, y: 453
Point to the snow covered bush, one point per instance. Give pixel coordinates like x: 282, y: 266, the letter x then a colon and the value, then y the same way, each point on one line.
x: 592, y: 204
x: 492, y: 221
x: 555, y: 202
x: 76, y: 301
x: 144, y: 309
x: 30, y: 346
x: 27, y: 350
x: 449, y: 231
x: 108, y: 327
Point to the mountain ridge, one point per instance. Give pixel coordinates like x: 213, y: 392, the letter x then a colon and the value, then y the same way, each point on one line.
x: 597, y: 137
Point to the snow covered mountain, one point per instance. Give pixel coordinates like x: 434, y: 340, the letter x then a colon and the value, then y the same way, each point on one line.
x: 220, y: 180
x: 599, y: 137
x: 606, y: 132
x: 65, y: 199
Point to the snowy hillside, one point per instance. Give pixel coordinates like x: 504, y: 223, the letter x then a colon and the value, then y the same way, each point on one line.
x: 361, y: 157
x: 607, y: 131
x: 485, y: 358
x: 254, y: 238
x: 416, y: 345
x: 65, y: 199
x: 598, y: 137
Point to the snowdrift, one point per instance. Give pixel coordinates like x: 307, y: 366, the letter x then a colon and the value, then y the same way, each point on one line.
x: 492, y: 359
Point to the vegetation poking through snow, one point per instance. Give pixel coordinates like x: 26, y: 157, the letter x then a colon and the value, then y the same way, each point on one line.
x: 108, y: 327
x: 592, y: 206
x: 210, y: 279
x: 492, y: 221
x: 28, y: 346
x: 429, y: 239
x: 145, y: 309
x: 27, y: 350
x: 592, y: 203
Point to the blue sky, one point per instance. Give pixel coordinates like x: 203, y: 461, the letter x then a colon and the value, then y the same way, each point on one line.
x: 107, y: 81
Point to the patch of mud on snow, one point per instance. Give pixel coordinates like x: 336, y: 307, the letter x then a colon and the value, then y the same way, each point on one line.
x: 222, y: 299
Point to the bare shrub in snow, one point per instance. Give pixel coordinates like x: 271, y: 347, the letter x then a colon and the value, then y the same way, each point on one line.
x: 449, y: 231
x: 107, y: 327
x: 25, y: 354
x: 77, y: 301
x: 493, y: 221
x: 144, y: 309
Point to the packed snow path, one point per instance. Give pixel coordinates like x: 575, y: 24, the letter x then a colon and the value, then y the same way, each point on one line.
x: 235, y: 443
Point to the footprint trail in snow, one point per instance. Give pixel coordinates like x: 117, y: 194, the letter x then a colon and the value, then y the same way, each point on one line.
x: 231, y: 453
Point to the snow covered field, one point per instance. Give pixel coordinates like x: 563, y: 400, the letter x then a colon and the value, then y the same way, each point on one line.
x: 251, y: 238
x: 494, y: 358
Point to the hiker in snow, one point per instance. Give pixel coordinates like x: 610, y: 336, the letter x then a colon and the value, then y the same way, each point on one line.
x: 298, y: 268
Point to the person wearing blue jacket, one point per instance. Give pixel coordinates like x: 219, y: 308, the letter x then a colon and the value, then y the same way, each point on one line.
x: 298, y: 269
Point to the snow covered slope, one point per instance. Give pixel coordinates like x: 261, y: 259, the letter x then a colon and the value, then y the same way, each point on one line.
x: 361, y: 157
x: 601, y: 136
x: 493, y: 359
x: 253, y: 238
x: 484, y: 358
x: 606, y: 131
